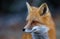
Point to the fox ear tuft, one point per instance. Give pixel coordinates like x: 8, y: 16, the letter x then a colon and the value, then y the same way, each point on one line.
x: 28, y: 6
x: 43, y: 9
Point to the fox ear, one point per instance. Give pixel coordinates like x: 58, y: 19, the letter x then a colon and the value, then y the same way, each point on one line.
x: 28, y: 6
x: 43, y: 9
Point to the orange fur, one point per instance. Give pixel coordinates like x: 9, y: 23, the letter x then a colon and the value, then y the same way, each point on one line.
x: 34, y: 18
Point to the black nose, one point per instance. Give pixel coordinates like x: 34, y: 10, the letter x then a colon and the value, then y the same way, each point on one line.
x: 23, y: 29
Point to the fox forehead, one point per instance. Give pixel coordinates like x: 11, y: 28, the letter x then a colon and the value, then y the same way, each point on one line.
x: 33, y: 14
x: 34, y: 10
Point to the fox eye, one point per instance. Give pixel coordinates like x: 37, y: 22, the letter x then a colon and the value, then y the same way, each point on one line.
x: 44, y: 11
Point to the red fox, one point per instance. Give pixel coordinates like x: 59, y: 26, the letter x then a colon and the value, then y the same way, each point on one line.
x: 39, y: 16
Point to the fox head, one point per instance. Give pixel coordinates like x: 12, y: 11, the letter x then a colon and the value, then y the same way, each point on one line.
x: 38, y: 16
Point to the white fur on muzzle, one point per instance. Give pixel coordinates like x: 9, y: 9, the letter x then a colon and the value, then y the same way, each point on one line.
x: 39, y: 32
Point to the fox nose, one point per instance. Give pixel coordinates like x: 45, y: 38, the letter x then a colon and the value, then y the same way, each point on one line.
x: 23, y: 30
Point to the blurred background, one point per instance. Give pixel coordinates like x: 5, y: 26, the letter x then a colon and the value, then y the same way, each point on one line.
x: 14, y: 12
